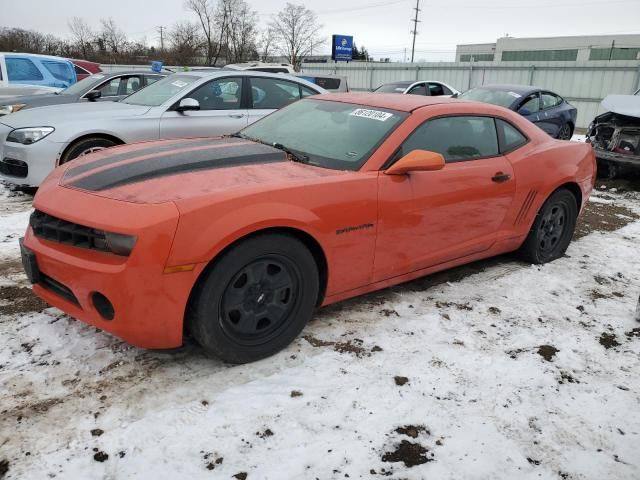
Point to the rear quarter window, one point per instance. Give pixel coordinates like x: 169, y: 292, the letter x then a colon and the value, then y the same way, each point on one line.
x: 509, y: 136
x: 60, y: 70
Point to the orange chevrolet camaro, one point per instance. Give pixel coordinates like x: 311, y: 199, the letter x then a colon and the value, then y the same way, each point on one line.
x: 237, y: 239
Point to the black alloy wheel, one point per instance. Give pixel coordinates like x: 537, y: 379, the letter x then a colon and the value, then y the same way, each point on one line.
x: 552, y: 228
x: 255, y: 298
x: 565, y: 132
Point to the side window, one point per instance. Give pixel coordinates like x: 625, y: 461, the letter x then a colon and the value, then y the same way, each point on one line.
x: 152, y: 79
x: 531, y: 103
x: 550, y: 100
x: 418, y: 90
x: 435, y: 90
x: 80, y: 70
x: 110, y: 88
x: 133, y: 84
x: 307, y: 92
x: 509, y: 136
x: 22, y: 70
x: 221, y: 94
x: 456, y: 138
x: 273, y: 92
x: 60, y: 70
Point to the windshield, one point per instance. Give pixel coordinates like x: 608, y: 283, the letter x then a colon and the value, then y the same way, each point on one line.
x: 496, y: 97
x: 161, y: 91
x: 83, y: 85
x: 334, y: 135
x: 391, y: 88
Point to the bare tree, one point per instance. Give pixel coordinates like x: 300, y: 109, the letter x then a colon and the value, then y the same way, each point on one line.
x: 266, y: 43
x: 204, y: 10
x: 242, y: 31
x: 296, y: 31
x: 82, y: 35
x: 113, y: 37
x: 185, y: 40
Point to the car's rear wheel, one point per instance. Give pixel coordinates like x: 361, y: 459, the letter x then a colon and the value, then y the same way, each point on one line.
x: 255, y: 299
x: 552, y: 229
x: 85, y: 147
x: 565, y: 132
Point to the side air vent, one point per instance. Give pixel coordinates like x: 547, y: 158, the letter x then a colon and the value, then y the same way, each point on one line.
x: 526, y: 205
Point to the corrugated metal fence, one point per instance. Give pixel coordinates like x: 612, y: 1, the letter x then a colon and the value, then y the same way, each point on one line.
x: 582, y: 84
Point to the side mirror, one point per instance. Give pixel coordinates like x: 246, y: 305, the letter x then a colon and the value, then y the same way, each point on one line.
x: 455, y: 95
x: 417, y: 161
x: 524, y: 111
x: 93, y: 95
x: 188, y: 104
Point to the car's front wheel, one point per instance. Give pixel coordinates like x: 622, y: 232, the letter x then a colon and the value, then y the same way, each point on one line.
x: 552, y: 229
x: 85, y: 147
x: 255, y: 299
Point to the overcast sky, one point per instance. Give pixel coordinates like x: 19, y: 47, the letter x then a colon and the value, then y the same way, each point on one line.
x: 382, y: 26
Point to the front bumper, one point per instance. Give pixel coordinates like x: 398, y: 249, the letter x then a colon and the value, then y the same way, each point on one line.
x: 148, y: 305
x: 618, y: 158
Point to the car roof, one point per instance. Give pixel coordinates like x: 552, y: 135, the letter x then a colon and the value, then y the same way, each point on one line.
x: 520, y: 89
x: 36, y: 55
x: 392, y: 101
x: 402, y: 82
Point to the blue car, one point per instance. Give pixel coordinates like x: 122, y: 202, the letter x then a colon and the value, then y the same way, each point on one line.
x: 546, y: 109
x: 18, y: 69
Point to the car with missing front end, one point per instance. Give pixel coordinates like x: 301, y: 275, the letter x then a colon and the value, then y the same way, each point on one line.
x: 615, y: 135
x: 238, y: 239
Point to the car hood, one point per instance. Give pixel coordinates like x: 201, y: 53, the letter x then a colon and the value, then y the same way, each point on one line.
x: 27, y: 99
x: 628, y: 105
x: 174, y: 170
x: 53, y: 115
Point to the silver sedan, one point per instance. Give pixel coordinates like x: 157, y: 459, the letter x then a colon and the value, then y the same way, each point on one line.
x: 190, y: 104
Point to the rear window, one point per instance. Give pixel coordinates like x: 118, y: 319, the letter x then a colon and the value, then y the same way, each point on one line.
x: 392, y: 88
x: 327, y: 83
x: 62, y: 71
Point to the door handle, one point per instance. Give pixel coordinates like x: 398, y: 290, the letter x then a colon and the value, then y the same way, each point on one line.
x: 236, y: 115
x: 501, y: 177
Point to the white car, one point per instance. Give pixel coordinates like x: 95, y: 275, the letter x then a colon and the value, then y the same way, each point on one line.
x: 262, y: 67
x: 187, y: 104
x: 431, y: 88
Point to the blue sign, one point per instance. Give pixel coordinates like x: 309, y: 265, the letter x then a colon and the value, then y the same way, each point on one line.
x: 342, y: 48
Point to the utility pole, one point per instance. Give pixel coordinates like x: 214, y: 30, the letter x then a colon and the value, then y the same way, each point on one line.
x: 161, y: 27
x: 415, y: 28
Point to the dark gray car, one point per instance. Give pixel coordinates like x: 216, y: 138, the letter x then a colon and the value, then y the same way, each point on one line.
x: 98, y: 87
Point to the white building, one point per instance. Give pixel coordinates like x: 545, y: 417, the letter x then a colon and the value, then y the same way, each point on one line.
x: 577, y: 49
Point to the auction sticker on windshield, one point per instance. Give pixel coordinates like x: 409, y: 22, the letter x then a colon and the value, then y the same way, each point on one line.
x: 372, y: 114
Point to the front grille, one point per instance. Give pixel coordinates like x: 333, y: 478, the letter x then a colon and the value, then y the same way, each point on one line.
x: 58, y: 288
x: 61, y: 231
x: 15, y: 168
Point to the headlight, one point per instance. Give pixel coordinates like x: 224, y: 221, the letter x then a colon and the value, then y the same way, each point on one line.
x: 7, y: 109
x: 30, y: 135
x: 116, y: 243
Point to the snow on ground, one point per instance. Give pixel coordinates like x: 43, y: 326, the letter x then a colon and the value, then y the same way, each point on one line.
x: 498, y: 370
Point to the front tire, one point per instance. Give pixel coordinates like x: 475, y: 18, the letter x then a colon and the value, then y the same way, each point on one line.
x: 85, y: 147
x: 552, y: 229
x: 256, y: 298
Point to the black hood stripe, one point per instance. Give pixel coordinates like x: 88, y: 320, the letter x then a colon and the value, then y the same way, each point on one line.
x: 174, y: 164
x: 153, y: 148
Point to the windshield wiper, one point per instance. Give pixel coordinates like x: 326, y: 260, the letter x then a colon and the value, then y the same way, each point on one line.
x: 295, y: 156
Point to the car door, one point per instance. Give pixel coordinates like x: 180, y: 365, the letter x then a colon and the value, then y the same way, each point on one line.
x: 437, y: 89
x: 428, y: 218
x: 418, y: 89
x: 550, y: 113
x: 222, y: 111
x: 269, y: 94
x: 529, y: 107
x: 116, y: 88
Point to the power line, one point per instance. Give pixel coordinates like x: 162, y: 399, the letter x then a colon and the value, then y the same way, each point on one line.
x: 415, y: 28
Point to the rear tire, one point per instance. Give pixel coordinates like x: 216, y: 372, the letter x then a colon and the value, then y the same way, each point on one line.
x: 552, y: 229
x: 86, y: 146
x: 255, y: 299
x: 565, y: 132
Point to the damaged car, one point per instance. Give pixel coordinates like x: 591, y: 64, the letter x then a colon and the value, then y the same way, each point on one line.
x: 615, y: 135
